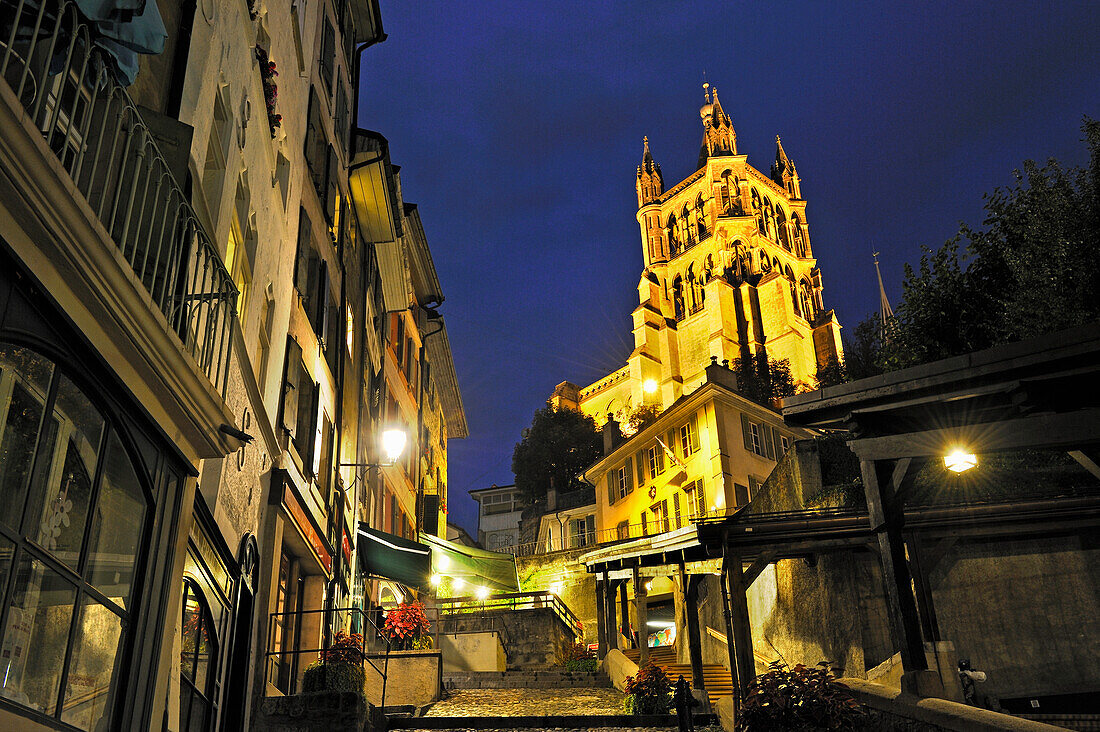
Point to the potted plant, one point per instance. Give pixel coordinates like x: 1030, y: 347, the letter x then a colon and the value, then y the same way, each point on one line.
x: 339, y: 668
x: 799, y: 698
x: 650, y: 692
x: 407, y: 627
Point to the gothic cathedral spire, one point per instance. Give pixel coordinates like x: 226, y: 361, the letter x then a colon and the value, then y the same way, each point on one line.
x: 784, y: 173
x: 718, y: 135
x: 650, y: 184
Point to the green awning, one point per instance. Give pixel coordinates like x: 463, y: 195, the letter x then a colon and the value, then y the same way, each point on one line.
x: 392, y: 557
x: 479, y: 568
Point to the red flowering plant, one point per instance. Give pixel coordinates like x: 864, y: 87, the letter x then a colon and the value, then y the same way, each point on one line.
x: 650, y: 692
x: 345, y: 648
x: 407, y: 626
x: 338, y: 667
x: 268, y: 72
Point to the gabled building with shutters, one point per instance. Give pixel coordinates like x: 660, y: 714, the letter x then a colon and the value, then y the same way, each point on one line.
x: 705, y: 455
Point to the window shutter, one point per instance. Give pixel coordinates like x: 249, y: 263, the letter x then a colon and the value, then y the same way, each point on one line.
x: 753, y: 485
x: 746, y: 432
x: 769, y: 448
x: 612, y: 493
x: 694, y: 433
x: 301, y: 261
x: 741, y: 494
x: 290, y: 385
x: 672, y: 440
x: 629, y: 476
x: 664, y: 513
x: 777, y: 443
x: 660, y: 458
x: 640, y: 458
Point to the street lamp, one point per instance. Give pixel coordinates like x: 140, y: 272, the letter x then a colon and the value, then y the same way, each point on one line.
x: 393, y: 444
x: 959, y: 460
x: 649, y: 386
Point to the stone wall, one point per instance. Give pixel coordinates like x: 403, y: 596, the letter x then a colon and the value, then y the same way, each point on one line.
x: 412, y: 678
x: 533, y: 639
x: 323, y: 711
x: 541, y: 572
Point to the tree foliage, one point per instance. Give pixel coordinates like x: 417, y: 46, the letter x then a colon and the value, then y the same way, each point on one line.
x: 557, y: 447
x: 762, y: 380
x: 1031, y: 269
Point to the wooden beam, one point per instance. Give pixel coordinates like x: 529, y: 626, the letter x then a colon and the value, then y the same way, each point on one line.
x: 886, y: 521
x: 1070, y: 430
x: 601, y: 616
x: 922, y: 586
x: 695, y: 639
x: 611, y: 623
x: 642, y: 602
x: 1089, y: 459
x: 758, y: 566
x: 739, y: 622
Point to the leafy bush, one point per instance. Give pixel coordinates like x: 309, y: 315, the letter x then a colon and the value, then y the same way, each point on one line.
x: 650, y: 692
x: 800, y: 699
x: 338, y: 676
x: 582, y: 664
x: 345, y: 648
x: 405, y: 625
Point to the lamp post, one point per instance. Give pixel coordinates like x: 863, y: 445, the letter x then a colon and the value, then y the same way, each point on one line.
x: 393, y: 441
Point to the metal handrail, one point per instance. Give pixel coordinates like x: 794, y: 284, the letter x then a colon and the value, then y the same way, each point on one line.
x: 365, y: 620
x: 511, y: 601
x: 67, y: 87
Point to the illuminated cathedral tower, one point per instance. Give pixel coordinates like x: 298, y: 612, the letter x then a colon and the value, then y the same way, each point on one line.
x: 728, y: 272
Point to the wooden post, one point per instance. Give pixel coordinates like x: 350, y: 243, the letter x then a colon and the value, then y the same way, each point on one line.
x: 886, y: 514
x: 609, y: 606
x: 643, y: 618
x: 737, y: 692
x: 624, y: 610
x: 917, y: 565
x: 601, y: 619
x: 739, y: 620
x: 695, y: 640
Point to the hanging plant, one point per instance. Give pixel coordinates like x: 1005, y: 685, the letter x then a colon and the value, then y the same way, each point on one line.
x: 407, y: 626
x: 268, y: 72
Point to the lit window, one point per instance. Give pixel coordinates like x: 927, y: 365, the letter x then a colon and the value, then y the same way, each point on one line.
x: 350, y: 330
x: 755, y: 439
x: 623, y: 482
x: 656, y: 455
x: 689, y: 438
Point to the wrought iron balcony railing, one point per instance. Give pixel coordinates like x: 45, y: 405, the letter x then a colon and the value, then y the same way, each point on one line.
x: 66, y: 85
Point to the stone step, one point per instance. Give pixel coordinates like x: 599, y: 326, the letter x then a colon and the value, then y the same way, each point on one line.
x: 527, y: 680
x: 606, y: 722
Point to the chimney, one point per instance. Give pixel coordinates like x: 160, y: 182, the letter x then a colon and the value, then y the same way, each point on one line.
x: 612, y: 435
x: 721, y: 373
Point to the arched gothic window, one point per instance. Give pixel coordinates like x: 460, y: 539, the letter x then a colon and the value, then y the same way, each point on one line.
x: 678, y: 298
x: 765, y: 263
x: 758, y: 212
x: 726, y: 189
x: 73, y: 514
x: 799, y: 239
x: 700, y: 217
x: 807, y: 298
x: 673, y: 236
x: 198, y: 661
x: 781, y: 225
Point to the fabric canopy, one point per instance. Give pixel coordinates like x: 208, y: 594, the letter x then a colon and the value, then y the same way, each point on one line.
x: 125, y: 28
x: 392, y: 557
x: 493, y: 570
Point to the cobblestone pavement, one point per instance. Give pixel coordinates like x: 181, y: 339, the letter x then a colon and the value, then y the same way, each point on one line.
x: 527, y: 702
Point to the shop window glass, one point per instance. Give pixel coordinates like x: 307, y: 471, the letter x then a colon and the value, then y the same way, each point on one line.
x: 116, y: 526
x: 64, y: 473
x: 63, y: 468
x: 198, y: 662
x: 96, y: 649
x: 33, y: 650
x: 24, y: 380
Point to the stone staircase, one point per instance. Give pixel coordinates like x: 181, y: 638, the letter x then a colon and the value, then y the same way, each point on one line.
x: 716, y: 678
x: 526, y: 679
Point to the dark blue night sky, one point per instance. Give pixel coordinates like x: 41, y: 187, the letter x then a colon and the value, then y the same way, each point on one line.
x: 518, y: 127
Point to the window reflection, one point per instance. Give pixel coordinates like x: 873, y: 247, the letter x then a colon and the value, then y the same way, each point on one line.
x: 24, y: 383
x: 116, y: 526
x: 95, y: 655
x: 198, y: 661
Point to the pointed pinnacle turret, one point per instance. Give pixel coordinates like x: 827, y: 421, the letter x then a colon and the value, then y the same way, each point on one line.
x: 884, y: 309
x: 783, y: 171
x: 718, y: 135
x: 650, y: 183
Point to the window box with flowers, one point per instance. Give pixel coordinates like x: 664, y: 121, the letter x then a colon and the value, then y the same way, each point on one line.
x: 268, y: 73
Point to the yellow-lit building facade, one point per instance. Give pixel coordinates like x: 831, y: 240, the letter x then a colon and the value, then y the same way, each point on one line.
x: 728, y: 273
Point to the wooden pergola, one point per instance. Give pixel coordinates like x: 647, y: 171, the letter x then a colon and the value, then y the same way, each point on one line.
x: 1038, y: 394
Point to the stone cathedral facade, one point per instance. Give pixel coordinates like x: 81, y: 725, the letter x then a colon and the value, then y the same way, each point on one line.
x: 729, y: 272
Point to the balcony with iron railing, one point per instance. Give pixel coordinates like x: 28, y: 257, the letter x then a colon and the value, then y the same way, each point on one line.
x: 62, y: 85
